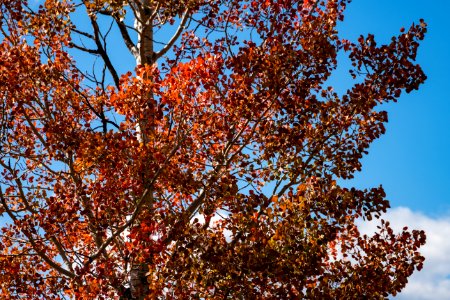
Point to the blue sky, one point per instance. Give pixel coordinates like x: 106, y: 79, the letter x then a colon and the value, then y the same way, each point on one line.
x: 412, y: 159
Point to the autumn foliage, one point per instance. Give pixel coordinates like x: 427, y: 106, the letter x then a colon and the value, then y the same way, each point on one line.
x: 210, y: 168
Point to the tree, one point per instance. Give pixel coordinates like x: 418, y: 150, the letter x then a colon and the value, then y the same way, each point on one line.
x: 210, y: 170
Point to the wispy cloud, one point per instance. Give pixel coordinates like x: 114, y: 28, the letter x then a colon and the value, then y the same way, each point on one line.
x: 433, y: 282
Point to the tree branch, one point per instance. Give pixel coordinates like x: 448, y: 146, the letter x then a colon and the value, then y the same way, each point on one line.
x: 126, y: 37
x: 147, y: 197
x: 91, y: 51
x: 175, y: 37
x: 102, y: 51
x: 30, y: 238
x: 88, y: 35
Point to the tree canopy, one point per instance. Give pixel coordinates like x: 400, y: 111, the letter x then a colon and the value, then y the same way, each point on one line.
x: 210, y: 168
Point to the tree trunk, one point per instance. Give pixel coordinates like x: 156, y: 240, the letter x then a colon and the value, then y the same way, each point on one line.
x: 139, y: 285
x: 138, y: 281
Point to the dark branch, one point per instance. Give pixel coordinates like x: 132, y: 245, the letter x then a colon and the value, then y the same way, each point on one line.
x: 91, y: 51
x: 103, y: 53
x: 126, y: 37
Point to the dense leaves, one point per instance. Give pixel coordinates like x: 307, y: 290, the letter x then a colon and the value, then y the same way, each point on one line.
x: 210, y: 169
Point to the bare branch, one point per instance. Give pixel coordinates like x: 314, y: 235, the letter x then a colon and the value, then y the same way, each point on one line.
x: 102, y: 51
x: 91, y: 51
x: 126, y: 37
x: 88, y: 35
x: 175, y: 37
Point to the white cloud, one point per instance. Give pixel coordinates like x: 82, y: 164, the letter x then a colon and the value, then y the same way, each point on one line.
x: 433, y: 282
